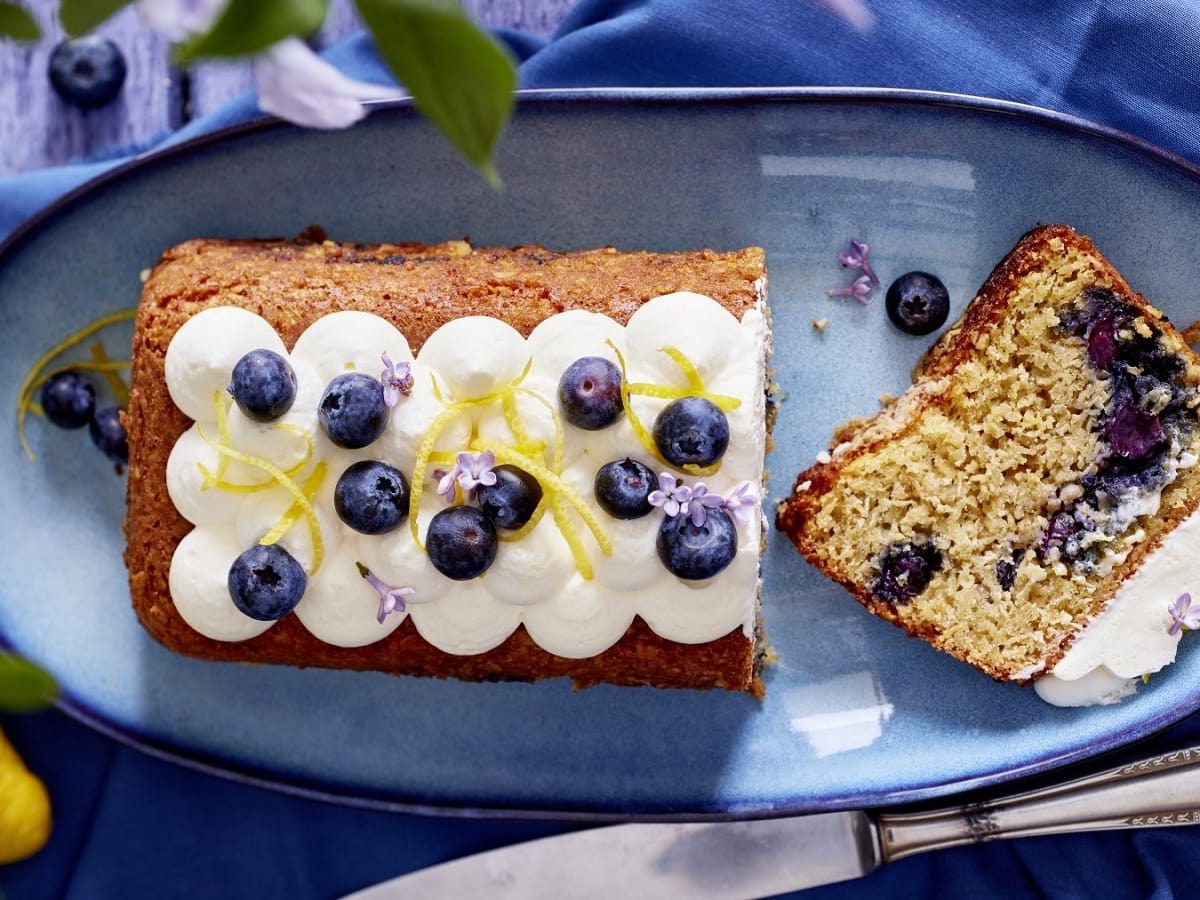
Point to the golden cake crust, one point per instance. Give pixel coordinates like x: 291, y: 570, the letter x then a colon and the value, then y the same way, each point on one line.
x: 864, y: 439
x: 418, y: 288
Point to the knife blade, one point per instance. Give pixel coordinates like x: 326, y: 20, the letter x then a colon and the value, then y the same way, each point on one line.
x: 766, y: 857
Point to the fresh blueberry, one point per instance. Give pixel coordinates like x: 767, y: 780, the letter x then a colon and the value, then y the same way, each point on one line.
x: 371, y: 497
x: 109, y: 434
x: 68, y: 400
x: 352, y: 410
x: 905, y: 570
x: 696, y: 552
x: 263, y: 385
x: 589, y: 393
x: 623, y: 488
x: 691, y: 430
x: 461, y: 542
x: 918, y: 303
x: 266, y: 582
x: 509, y: 502
x: 88, y: 71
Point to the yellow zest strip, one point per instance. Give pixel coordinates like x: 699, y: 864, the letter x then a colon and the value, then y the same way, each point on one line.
x: 553, y: 483
x: 639, y: 430
x: 524, y: 530
x: 311, y: 485
x: 425, y: 454
x: 722, y: 402
x: 695, y: 382
x: 230, y: 487
x: 26, y: 403
x: 509, y: 402
x: 112, y: 379
x: 570, y: 533
x: 557, y: 461
x: 27, y: 385
x: 284, y: 482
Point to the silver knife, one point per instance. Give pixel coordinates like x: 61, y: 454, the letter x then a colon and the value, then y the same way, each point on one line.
x: 765, y: 857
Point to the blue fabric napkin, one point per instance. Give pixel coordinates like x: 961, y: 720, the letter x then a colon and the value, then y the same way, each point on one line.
x: 128, y: 825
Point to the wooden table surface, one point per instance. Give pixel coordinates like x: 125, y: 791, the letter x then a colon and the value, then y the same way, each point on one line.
x: 38, y: 129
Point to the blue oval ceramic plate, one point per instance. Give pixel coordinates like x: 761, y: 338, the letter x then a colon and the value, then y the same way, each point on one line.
x: 856, y: 713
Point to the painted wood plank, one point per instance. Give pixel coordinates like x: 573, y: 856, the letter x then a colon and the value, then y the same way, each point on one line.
x: 38, y: 129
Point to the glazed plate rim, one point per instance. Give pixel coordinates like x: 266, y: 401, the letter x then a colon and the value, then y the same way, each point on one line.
x: 360, y: 797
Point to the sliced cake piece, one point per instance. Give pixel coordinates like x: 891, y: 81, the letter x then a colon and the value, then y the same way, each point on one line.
x: 1020, y: 506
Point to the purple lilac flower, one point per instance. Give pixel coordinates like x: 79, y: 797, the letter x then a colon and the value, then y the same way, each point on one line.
x: 860, y: 290
x: 471, y: 470
x: 701, y: 501
x: 391, y: 599
x: 859, y: 257
x: 397, y: 380
x: 741, y: 500
x: 672, y: 496
x: 1183, y: 614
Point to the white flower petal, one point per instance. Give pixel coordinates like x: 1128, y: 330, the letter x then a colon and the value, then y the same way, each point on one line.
x: 296, y: 84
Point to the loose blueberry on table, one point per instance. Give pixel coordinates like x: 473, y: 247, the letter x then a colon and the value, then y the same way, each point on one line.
x: 691, y: 431
x: 266, y: 582
x: 918, y: 303
x: 696, y: 552
x: 371, y: 497
x: 623, y: 488
x: 461, y: 542
x: 509, y: 502
x: 87, y: 72
x: 68, y: 400
x: 108, y: 434
x: 263, y: 385
x: 589, y: 393
x: 352, y: 410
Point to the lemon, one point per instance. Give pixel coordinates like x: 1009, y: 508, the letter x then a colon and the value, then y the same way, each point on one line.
x: 24, y: 807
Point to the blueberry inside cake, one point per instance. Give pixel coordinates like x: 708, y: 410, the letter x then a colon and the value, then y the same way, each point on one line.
x: 1028, y: 505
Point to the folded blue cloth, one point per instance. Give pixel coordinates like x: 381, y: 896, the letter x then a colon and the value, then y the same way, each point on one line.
x: 128, y: 825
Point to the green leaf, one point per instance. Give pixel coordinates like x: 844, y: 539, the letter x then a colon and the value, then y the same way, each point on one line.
x: 17, y: 24
x: 23, y: 686
x: 459, y: 78
x: 247, y: 27
x: 81, y: 16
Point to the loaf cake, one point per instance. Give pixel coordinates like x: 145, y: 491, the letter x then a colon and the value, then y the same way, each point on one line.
x: 1029, y: 504
x: 470, y: 348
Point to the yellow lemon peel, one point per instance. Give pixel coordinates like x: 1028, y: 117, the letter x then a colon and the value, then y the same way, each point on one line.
x: 309, y: 488
x: 112, y: 379
x: 695, y: 388
x: 282, y: 479
x: 212, y: 480
x: 27, y: 386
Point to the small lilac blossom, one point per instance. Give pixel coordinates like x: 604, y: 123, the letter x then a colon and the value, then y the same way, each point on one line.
x: 672, y: 496
x: 391, y: 599
x: 859, y: 257
x: 397, y: 380
x: 471, y: 470
x: 701, y: 502
x: 740, y: 502
x: 860, y: 290
x: 1183, y: 614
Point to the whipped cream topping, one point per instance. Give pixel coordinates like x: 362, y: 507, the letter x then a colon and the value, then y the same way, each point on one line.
x: 1130, y: 638
x: 534, y: 581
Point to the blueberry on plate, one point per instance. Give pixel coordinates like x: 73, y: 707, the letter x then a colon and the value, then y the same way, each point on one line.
x: 461, y: 542
x: 691, y: 430
x: 509, y: 502
x: 87, y: 71
x: 371, y: 497
x: 68, y: 400
x: 266, y: 582
x: 918, y: 303
x: 589, y: 393
x: 623, y: 488
x: 696, y: 552
x: 108, y: 434
x: 263, y: 385
x: 352, y: 410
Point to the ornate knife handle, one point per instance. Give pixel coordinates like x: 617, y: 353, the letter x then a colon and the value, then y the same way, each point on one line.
x: 1161, y: 790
